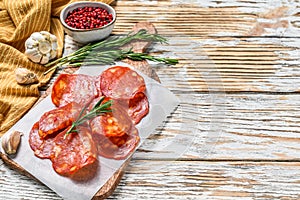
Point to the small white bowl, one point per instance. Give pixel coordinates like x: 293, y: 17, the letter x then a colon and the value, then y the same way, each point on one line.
x: 86, y: 36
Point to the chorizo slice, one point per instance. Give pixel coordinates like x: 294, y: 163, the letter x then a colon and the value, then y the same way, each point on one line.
x: 117, y: 148
x: 58, y: 119
x: 77, y: 88
x: 73, y: 152
x: 137, y: 107
x: 112, y: 124
x: 42, y: 148
x: 121, y: 83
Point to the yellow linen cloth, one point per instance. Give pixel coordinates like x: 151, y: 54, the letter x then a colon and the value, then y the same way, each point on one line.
x: 18, y: 20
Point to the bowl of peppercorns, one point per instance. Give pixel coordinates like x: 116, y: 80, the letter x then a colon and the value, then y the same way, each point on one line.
x: 87, y: 21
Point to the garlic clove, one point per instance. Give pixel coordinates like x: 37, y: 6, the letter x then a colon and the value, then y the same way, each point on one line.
x: 34, y: 55
x: 25, y: 76
x: 45, y: 58
x: 10, y: 142
x: 30, y: 43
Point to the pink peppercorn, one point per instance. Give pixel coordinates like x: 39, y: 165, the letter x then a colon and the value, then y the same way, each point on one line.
x: 88, y: 18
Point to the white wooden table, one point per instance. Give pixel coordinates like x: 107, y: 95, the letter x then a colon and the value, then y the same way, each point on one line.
x: 237, y: 128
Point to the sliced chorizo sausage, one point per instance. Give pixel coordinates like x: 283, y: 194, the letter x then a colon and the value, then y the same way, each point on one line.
x: 117, y: 147
x: 42, y: 148
x: 58, y: 119
x: 114, y: 123
x: 77, y: 88
x: 74, y: 151
x: 121, y: 83
x: 136, y: 107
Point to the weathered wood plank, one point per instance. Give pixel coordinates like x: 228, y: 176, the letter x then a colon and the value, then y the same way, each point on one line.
x: 229, y: 127
x: 211, y: 18
x: 238, y: 64
x: 182, y: 180
x: 12, y: 181
x: 209, y: 180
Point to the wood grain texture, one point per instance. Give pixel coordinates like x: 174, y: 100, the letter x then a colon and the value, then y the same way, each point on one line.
x: 220, y: 126
x: 182, y: 180
x: 209, y: 180
x: 231, y: 64
x: 213, y: 18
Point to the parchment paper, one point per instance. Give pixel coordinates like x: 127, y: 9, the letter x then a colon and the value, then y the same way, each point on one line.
x: 162, y: 103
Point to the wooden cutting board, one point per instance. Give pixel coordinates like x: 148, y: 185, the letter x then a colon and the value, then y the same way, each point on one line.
x: 143, y: 66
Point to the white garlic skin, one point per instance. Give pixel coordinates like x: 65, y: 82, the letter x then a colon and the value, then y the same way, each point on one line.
x: 10, y: 142
x: 41, y: 47
x: 25, y: 76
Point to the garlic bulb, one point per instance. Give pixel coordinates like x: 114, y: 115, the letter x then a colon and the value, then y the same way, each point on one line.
x: 10, y: 142
x: 41, y: 47
x: 25, y: 76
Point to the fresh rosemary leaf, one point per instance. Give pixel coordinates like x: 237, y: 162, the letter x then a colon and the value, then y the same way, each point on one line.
x: 99, y: 109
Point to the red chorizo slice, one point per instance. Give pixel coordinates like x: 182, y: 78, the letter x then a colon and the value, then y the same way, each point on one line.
x: 121, y: 83
x: 77, y: 88
x: 117, y: 148
x: 73, y: 152
x: 113, y: 124
x: 58, y: 119
x: 137, y: 107
x: 42, y: 148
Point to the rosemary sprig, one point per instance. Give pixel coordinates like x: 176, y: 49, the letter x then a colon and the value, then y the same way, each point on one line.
x: 108, y: 51
x: 144, y: 56
x: 99, y: 109
x: 109, y: 57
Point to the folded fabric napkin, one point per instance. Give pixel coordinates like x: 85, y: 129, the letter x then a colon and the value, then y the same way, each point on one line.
x: 18, y: 20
